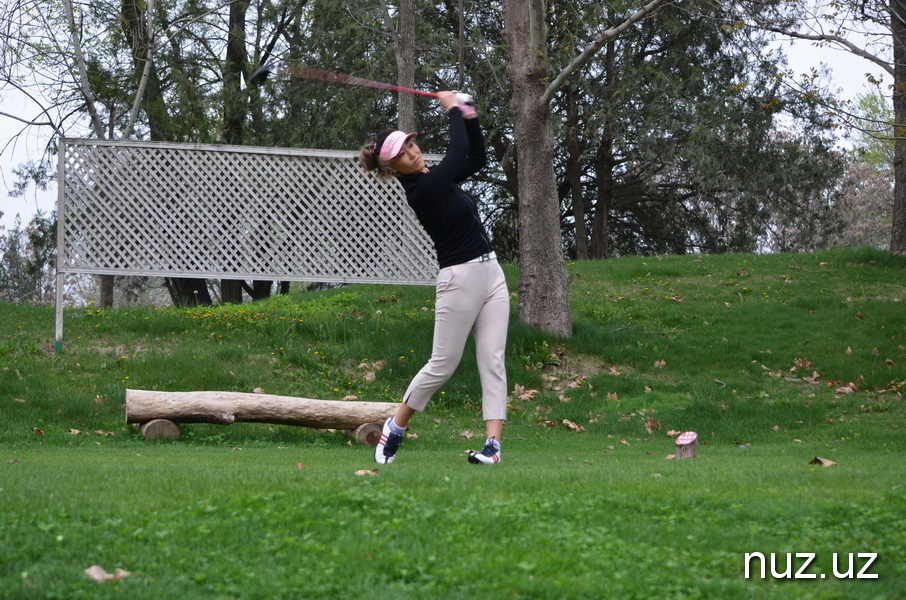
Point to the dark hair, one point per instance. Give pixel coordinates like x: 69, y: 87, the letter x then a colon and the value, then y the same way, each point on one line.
x: 369, y: 156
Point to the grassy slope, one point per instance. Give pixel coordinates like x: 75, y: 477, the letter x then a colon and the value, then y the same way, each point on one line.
x: 722, y: 345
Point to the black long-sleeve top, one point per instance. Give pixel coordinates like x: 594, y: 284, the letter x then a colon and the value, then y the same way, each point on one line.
x: 448, y: 214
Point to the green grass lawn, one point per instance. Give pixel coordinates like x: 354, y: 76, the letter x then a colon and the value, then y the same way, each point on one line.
x: 773, y: 360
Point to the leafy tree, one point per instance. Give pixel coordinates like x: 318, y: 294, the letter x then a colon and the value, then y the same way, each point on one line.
x: 871, y: 29
x: 864, y: 206
x: 26, y: 261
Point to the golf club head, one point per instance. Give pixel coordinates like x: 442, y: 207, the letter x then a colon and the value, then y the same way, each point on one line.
x: 261, y: 74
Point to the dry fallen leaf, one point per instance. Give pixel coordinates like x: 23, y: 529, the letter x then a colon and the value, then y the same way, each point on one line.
x: 573, y: 426
x: 363, y: 472
x: 467, y: 434
x: 673, y: 433
x: 19, y: 400
x: 73, y: 432
x: 660, y: 364
x: 350, y: 397
x: 802, y: 363
x: 813, y: 379
x: 99, y: 400
x: 37, y: 431
x: 613, y: 396
x: 258, y: 390
x: 523, y: 394
x: 99, y: 574
x: 652, y: 425
x: 822, y: 461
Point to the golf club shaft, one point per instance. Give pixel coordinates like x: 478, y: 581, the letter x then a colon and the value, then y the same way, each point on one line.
x: 309, y: 73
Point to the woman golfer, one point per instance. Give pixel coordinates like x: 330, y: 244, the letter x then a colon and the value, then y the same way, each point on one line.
x: 471, y: 291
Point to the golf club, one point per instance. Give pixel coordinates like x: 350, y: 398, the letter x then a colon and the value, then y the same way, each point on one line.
x: 264, y: 71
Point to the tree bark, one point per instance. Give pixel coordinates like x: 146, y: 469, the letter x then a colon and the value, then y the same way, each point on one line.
x: 188, y: 292
x: 574, y: 174
x: 107, y: 286
x: 404, y: 50
x: 543, y: 281
x: 898, y: 226
x: 605, y: 163
x: 406, y: 65
x: 233, y: 407
x: 231, y: 291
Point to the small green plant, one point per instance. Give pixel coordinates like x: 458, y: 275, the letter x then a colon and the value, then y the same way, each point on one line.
x: 539, y: 356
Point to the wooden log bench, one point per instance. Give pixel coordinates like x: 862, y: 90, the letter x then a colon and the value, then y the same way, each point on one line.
x: 157, y: 413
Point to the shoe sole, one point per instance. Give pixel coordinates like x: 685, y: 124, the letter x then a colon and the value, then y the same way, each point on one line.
x: 473, y: 458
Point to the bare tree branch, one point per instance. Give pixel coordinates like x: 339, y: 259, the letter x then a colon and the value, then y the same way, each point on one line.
x: 596, y: 45
x: 143, y: 83
x: 827, y: 37
x: 84, y: 84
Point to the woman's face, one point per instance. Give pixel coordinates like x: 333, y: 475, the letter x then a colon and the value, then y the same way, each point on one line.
x: 409, y: 161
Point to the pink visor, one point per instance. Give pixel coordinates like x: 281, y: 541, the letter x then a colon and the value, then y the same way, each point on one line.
x: 393, y: 144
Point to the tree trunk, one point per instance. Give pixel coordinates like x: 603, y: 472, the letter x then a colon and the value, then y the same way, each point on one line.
x: 543, y: 281
x: 225, y: 408
x: 605, y: 163
x: 403, y: 38
x: 234, y: 100
x: 231, y: 291
x: 405, y: 61
x: 107, y: 286
x: 898, y: 226
x: 188, y: 292
x: 574, y: 174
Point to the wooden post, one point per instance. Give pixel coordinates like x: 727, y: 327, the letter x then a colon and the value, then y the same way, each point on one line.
x: 687, y: 445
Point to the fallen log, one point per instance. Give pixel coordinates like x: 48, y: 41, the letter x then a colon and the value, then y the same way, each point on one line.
x: 225, y: 408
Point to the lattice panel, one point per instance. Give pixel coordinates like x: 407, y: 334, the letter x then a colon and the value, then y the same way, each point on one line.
x: 233, y: 212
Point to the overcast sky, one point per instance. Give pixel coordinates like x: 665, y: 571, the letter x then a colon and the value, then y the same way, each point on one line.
x: 848, y: 73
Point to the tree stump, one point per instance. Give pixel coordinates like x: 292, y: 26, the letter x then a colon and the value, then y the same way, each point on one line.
x: 687, y: 445
x: 160, y: 429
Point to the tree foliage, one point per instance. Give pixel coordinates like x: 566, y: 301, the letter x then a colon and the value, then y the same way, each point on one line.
x: 26, y: 261
x: 677, y: 135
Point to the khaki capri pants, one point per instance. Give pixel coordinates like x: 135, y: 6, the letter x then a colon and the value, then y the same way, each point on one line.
x: 471, y: 298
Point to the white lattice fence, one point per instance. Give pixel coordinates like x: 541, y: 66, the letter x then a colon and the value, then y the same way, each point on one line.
x: 232, y: 212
